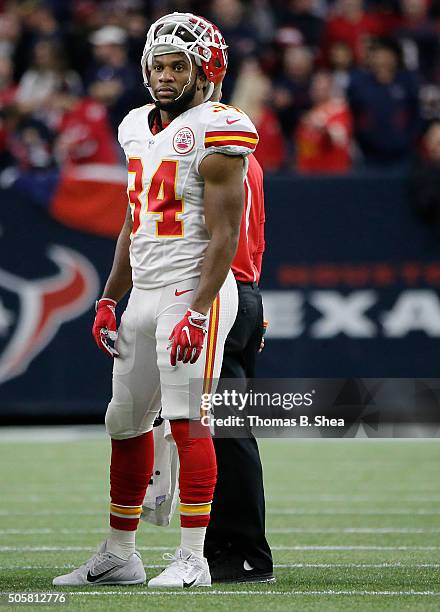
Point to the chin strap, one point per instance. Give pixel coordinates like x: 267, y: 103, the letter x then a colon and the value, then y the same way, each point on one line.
x: 189, y: 78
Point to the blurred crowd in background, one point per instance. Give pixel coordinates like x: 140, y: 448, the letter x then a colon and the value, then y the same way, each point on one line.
x: 331, y: 86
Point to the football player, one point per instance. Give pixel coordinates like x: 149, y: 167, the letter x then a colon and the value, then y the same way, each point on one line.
x: 186, y: 163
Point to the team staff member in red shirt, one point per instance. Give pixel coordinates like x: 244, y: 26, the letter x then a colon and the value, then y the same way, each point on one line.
x: 235, y: 544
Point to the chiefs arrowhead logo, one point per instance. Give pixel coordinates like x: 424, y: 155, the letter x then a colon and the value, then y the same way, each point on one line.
x: 44, y: 305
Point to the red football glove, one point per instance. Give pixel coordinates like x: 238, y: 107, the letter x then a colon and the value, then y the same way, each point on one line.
x: 104, y: 326
x: 186, y: 340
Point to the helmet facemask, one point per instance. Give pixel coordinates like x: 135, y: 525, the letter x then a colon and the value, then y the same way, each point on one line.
x: 194, y: 36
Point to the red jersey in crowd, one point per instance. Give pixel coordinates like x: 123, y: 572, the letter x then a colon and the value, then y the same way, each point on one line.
x: 247, y: 261
x: 86, y: 136
x: 353, y: 33
x: 271, y: 150
x: 91, y: 194
x: 323, y: 139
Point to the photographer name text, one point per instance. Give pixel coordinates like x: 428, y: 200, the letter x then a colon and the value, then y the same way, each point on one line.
x: 254, y: 420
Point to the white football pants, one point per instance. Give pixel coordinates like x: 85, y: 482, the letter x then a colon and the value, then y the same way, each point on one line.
x: 143, y: 378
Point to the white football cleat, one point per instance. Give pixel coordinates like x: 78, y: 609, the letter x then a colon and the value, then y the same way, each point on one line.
x: 185, y: 571
x: 105, y: 568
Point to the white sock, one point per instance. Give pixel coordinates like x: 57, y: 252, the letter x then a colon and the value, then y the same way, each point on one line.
x: 121, y: 543
x: 193, y: 538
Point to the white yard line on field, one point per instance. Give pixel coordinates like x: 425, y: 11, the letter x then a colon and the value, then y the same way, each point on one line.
x: 60, y: 433
x: 56, y: 495
x: 355, y: 530
x: 273, y: 531
x: 271, y: 511
x: 397, y: 565
x: 165, y: 548
x: 70, y: 490
x: 67, y: 566
x: 74, y: 495
x: 30, y: 512
x: 97, y: 433
x: 344, y: 499
x: 361, y: 511
x: 211, y: 593
x: 71, y: 548
x: 69, y: 433
x: 360, y: 547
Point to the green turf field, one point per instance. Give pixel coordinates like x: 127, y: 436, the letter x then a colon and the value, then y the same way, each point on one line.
x: 354, y: 525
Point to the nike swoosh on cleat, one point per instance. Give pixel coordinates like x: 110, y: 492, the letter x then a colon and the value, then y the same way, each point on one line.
x: 177, y: 293
x: 95, y: 577
x: 231, y: 121
x: 247, y: 566
x: 187, y: 585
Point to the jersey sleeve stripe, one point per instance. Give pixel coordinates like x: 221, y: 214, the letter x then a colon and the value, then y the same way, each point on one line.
x: 230, y: 133
x: 235, y: 138
x: 235, y: 143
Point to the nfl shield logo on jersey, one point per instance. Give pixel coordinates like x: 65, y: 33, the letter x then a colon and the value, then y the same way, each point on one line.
x: 183, y: 141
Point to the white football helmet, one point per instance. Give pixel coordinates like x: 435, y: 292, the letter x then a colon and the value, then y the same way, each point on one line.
x: 192, y: 35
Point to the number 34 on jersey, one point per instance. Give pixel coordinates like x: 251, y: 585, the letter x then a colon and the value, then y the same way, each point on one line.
x: 160, y: 197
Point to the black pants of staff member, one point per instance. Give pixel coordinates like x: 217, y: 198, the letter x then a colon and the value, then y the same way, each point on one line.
x: 238, y: 510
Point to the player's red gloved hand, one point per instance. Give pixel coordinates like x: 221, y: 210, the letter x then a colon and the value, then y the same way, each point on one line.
x: 186, y: 340
x: 104, y: 326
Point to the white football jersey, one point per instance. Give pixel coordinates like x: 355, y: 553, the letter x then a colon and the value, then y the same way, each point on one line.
x: 165, y: 189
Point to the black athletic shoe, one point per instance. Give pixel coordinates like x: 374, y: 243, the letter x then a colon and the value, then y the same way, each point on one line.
x: 233, y: 568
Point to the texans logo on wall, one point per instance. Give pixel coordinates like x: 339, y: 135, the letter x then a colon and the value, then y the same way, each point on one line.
x: 50, y: 276
x: 32, y: 311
